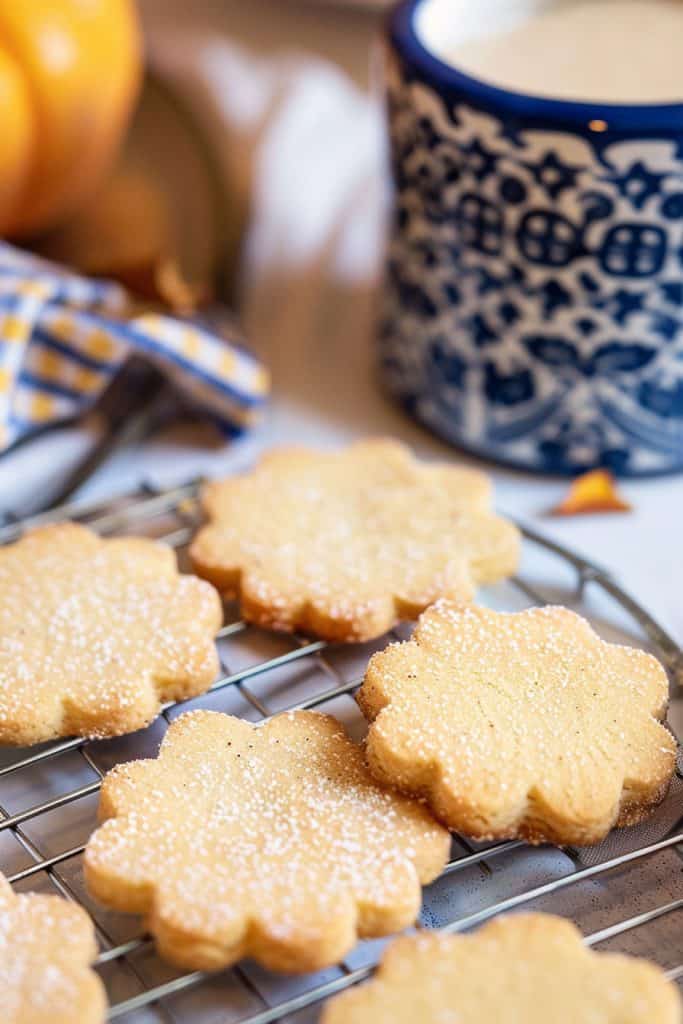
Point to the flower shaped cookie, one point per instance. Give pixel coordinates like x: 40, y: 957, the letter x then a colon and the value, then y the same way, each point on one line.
x: 519, y: 724
x: 46, y: 946
x: 95, y: 633
x: 532, y: 968
x: 344, y: 545
x: 269, y: 841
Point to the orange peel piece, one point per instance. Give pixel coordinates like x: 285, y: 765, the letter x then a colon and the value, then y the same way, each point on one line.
x: 592, y: 492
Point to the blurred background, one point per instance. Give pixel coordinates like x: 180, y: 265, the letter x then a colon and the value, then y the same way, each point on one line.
x: 251, y: 174
x: 244, y: 174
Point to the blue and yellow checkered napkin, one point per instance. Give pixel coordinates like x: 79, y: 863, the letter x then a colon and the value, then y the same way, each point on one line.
x: 63, y: 337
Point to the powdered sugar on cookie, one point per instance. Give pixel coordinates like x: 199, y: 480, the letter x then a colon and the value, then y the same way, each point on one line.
x: 46, y: 945
x: 522, y: 724
x: 531, y: 967
x: 268, y: 841
x: 345, y: 544
x: 95, y: 634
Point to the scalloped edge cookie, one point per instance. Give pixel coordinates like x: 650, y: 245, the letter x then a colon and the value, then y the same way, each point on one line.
x: 304, y: 851
x: 81, y: 655
x: 519, y: 725
x: 304, y: 540
x: 533, y: 968
x: 47, y: 945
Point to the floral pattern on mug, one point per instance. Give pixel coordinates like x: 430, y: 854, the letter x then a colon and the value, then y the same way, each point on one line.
x: 533, y: 303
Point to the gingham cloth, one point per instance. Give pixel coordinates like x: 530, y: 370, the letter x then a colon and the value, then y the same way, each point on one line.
x: 63, y: 337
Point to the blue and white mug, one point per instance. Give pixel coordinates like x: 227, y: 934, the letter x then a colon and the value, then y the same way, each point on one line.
x: 533, y: 305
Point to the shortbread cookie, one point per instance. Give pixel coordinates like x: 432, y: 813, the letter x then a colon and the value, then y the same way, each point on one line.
x: 526, y: 969
x: 344, y: 545
x: 522, y: 724
x: 46, y: 947
x: 268, y: 841
x: 94, y: 634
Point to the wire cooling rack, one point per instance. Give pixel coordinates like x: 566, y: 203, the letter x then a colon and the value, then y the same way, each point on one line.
x: 626, y: 894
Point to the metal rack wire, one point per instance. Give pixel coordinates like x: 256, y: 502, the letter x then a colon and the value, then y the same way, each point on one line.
x: 171, y: 517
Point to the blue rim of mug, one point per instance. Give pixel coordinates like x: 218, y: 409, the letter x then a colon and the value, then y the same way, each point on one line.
x: 644, y: 118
